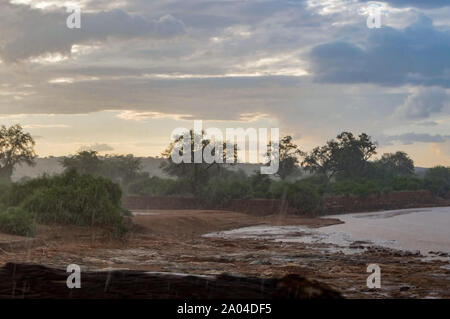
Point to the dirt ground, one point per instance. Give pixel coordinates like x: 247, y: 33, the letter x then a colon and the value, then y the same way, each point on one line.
x: 171, y: 241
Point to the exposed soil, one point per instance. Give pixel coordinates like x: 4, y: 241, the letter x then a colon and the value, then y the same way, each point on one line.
x: 184, y: 224
x: 171, y: 241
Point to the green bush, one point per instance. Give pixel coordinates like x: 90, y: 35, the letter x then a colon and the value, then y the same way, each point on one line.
x: 406, y: 183
x: 260, y: 185
x: 70, y: 199
x: 77, y: 200
x: 437, y: 180
x: 365, y: 187
x: 151, y: 186
x: 16, y: 221
x: 361, y: 187
x: 303, y: 196
x: 17, y: 192
x: 156, y: 186
x: 219, y: 191
x: 180, y: 186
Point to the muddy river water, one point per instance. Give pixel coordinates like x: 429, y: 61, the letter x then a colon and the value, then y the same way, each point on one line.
x: 425, y: 230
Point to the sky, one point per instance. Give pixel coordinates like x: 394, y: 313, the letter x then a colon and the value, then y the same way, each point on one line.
x: 138, y: 69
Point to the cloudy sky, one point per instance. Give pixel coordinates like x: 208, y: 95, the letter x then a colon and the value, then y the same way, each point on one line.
x: 137, y: 69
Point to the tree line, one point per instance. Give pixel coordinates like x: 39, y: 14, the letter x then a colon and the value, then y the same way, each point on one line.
x: 345, y: 165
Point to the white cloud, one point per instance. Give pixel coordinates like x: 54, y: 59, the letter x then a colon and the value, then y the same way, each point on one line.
x: 40, y: 126
x: 143, y: 116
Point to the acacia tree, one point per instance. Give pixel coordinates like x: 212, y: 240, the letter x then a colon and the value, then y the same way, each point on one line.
x: 437, y: 180
x: 16, y: 147
x: 288, y: 158
x: 197, y: 174
x: 345, y: 157
x: 396, y: 164
x: 84, y: 162
x: 122, y: 169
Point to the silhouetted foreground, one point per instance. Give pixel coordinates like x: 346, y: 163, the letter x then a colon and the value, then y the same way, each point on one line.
x: 35, y: 282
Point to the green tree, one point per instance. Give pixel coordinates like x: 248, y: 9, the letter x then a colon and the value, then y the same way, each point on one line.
x: 345, y: 157
x: 121, y: 169
x: 437, y: 180
x: 289, y: 154
x: 197, y: 174
x: 84, y: 162
x: 16, y: 147
x: 396, y: 164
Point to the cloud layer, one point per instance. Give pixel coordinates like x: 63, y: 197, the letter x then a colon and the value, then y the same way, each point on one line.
x: 34, y: 32
x: 425, y: 4
x: 312, y: 68
x: 416, y: 55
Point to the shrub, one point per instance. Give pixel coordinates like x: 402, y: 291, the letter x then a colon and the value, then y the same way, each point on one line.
x: 77, y: 200
x: 437, y: 180
x: 260, y: 185
x: 151, y: 186
x: 70, y: 199
x: 219, y: 191
x: 16, y: 221
x: 406, y: 183
x: 346, y: 187
x: 360, y: 187
x: 17, y: 192
x: 180, y: 186
x: 303, y: 196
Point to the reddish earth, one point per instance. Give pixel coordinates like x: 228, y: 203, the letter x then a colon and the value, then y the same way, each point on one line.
x: 171, y: 241
x: 331, y: 204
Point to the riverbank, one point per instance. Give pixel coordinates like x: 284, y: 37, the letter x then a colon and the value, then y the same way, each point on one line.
x: 175, y: 241
x: 330, y: 204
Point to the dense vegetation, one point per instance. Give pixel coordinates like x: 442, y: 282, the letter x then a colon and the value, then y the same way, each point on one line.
x: 66, y: 199
x: 17, y: 221
x: 343, y: 166
x: 89, y: 191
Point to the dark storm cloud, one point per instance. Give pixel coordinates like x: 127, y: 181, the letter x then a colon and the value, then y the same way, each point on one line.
x: 410, y: 138
x: 31, y: 32
x: 419, y: 55
x: 424, y: 4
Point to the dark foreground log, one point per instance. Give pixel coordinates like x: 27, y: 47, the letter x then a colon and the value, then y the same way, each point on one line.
x: 36, y: 281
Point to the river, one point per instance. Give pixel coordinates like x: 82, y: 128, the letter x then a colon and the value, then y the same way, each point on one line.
x: 424, y: 229
x: 421, y: 230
